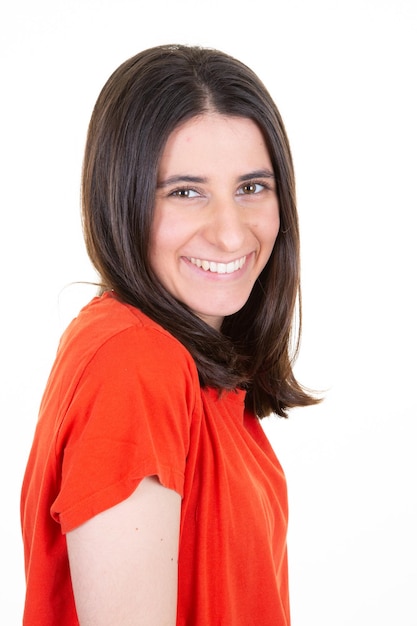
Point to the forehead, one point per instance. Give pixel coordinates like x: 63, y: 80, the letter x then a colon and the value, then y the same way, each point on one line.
x: 213, y: 139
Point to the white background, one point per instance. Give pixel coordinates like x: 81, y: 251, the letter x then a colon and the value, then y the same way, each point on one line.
x: 343, y: 74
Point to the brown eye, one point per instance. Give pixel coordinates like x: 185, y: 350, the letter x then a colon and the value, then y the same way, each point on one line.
x: 251, y: 188
x: 184, y: 193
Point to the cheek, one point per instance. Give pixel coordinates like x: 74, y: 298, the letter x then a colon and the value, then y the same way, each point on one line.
x: 276, y: 225
x: 166, y: 240
x: 270, y: 230
x: 162, y: 234
x: 156, y: 248
x: 269, y: 236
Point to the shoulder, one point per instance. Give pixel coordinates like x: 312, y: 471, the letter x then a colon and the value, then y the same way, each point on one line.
x: 111, y: 340
x: 123, y: 401
x: 108, y: 325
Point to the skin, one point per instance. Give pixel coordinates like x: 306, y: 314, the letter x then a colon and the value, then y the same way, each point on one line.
x: 124, y: 561
x: 216, y: 221
x: 216, y: 206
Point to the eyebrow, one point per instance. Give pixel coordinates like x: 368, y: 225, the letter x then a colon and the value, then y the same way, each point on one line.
x: 183, y: 178
x: 257, y: 174
x: 174, y: 180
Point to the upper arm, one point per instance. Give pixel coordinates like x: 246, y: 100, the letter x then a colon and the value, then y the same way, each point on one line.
x: 121, y: 423
x: 124, y: 561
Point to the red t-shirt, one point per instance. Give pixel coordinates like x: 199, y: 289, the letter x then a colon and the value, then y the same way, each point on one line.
x: 123, y: 401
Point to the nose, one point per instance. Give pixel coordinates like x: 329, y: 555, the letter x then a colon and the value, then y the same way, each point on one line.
x: 226, y: 228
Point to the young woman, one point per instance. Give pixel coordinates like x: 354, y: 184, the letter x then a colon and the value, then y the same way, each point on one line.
x: 152, y: 496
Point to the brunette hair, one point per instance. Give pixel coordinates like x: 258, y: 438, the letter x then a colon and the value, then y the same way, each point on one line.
x: 143, y: 101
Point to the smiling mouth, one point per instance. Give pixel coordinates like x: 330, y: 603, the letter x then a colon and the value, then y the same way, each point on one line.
x: 219, y: 268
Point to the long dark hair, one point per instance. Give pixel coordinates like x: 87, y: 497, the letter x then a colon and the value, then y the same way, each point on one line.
x: 143, y: 101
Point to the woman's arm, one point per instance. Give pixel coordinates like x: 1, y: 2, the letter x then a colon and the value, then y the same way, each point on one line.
x: 124, y: 561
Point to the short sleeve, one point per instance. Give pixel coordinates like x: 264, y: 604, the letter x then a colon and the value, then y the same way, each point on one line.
x: 130, y: 416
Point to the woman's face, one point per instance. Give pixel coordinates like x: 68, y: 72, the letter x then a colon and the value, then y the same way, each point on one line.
x: 216, y: 214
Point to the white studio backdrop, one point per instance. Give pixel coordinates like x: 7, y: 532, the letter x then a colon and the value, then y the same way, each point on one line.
x: 343, y: 74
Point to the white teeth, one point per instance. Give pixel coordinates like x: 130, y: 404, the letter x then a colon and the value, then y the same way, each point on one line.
x: 219, y: 268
